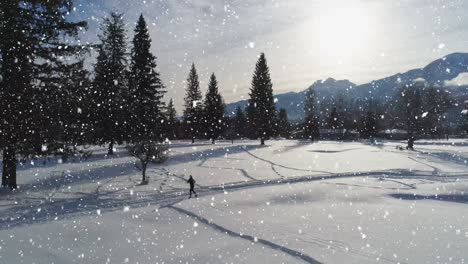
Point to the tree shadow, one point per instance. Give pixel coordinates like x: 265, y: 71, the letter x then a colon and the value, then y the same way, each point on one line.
x: 69, y: 179
x: 445, y: 156
x: 211, y: 153
x: 445, y: 143
x: 454, y: 198
x: 52, y: 161
x: 332, y: 151
x: 31, y: 212
x: 94, y: 175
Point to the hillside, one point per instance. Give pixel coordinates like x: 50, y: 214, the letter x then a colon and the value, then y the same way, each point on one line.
x: 437, y: 72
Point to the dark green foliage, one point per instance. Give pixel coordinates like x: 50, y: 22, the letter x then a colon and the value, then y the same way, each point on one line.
x: 261, y: 109
x: 311, y: 122
x: 369, y: 129
x: 334, y: 121
x: 464, y: 123
x: 230, y: 129
x: 193, y: 112
x: 68, y: 108
x: 34, y: 58
x: 369, y: 122
x: 110, y: 83
x: 421, y: 110
x: 410, y: 109
x: 214, y: 110
x: 240, y: 123
x: 283, y: 125
x: 436, y: 102
x: 146, y: 90
x: 171, y: 123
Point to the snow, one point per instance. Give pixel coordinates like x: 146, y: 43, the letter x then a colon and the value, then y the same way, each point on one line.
x: 287, y: 202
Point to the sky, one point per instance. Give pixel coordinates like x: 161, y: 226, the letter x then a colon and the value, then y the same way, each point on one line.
x: 304, y: 40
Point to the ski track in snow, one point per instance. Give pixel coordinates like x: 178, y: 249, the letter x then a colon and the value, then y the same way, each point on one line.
x: 31, y: 206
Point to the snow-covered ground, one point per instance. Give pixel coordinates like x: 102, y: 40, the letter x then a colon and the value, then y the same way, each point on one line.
x: 287, y: 202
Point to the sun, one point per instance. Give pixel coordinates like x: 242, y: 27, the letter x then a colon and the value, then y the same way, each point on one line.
x: 343, y: 30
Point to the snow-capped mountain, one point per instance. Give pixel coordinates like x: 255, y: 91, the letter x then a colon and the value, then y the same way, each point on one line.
x: 437, y: 72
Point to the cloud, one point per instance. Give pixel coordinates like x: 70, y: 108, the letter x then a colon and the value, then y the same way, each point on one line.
x: 460, y: 80
x: 226, y: 36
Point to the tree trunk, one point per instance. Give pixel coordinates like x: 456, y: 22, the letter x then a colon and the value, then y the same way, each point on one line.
x: 4, y: 174
x: 9, y: 168
x: 262, y: 141
x: 143, y: 169
x: 111, y: 148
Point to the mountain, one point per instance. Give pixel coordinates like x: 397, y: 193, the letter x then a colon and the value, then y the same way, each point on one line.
x: 436, y: 73
x: 293, y: 102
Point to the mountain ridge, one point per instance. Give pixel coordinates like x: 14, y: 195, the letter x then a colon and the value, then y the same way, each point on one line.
x: 437, y: 72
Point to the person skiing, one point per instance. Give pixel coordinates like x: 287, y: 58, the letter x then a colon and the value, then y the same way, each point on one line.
x: 191, y: 181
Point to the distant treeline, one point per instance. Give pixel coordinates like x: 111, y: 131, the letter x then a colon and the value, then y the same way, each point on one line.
x: 50, y: 103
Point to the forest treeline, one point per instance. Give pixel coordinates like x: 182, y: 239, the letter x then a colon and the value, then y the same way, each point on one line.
x: 51, y: 103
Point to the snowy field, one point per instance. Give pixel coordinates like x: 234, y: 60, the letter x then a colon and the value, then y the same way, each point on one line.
x: 287, y: 202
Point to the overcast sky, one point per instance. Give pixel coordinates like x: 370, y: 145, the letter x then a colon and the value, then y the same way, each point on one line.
x: 304, y: 40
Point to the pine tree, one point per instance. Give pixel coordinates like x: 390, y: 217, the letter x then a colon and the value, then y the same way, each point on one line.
x: 409, y: 105
x: 230, y: 129
x: 75, y: 106
x: 171, y: 121
x: 33, y: 48
x: 311, y: 122
x: 464, y: 122
x: 261, y: 109
x: 284, y: 127
x: 435, y: 103
x: 193, y: 112
x: 214, y: 110
x: 110, y: 83
x: 370, y: 125
x: 146, y: 89
x: 334, y: 119
x: 240, y: 123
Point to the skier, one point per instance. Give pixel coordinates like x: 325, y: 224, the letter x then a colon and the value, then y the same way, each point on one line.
x: 191, y: 181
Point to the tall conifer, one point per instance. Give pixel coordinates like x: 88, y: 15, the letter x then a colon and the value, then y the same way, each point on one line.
x: 261, y: 109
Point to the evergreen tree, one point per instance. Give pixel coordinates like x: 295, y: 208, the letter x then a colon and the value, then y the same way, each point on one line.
x: 75, y: 107
x: 33, y: 47
x: 311, y: 122
x: 214, y: 110
x: 230, y: 129
x: 261, y: 109
x: 435, y: 104
x: 334, y: 119
x: 110, y: 83
x: 464, y: 122
x: 240, y: 123
x: 369, y: 121
x: 410, y: 109
x: 171, y: 121
x: 193, y: 112
x: 284, y: 127
x: 342, y: 112
x: 146, y: 89
x: 369, y: 125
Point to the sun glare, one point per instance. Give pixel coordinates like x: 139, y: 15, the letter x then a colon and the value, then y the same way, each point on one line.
x: 343, y: 30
